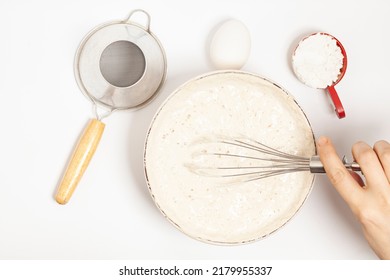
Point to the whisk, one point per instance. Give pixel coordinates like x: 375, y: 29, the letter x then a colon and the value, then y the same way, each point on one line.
x: 252, y: 160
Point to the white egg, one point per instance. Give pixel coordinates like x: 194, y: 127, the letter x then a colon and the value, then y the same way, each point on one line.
x: 230, y: 45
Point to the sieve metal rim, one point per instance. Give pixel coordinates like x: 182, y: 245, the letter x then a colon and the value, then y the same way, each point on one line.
x: 156, y: 81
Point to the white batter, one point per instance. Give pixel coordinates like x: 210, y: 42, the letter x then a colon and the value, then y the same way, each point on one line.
x: 227, y: 103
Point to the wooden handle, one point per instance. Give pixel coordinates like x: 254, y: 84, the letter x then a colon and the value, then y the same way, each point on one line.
x: 81, y: 157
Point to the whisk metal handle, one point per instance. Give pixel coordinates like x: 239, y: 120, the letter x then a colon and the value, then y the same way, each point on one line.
x: 316, y: 165
x: 352, y: 166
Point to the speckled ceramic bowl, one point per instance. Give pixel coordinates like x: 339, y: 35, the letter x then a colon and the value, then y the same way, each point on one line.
x: 228, y: 103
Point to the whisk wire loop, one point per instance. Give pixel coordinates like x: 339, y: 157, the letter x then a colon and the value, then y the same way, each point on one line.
x: 251, y: 160
x: 255, y: 161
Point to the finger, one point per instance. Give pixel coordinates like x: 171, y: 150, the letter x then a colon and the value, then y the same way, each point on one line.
x: 382, y: 149
x: 339, y: 176
x: 370, y: 165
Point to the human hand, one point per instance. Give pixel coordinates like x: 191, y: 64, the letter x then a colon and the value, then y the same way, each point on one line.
x: 369, y: 200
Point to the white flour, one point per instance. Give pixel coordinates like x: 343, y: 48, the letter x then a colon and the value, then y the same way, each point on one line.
x: 226, y: 103
x: 317, y: 61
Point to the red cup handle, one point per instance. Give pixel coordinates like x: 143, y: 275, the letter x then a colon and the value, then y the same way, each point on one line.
x: 336, y: 101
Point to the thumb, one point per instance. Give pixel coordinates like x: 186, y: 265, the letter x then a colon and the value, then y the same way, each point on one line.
x: 339, y: 176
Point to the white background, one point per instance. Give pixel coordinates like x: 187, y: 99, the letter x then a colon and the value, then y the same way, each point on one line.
x: 111, y: 215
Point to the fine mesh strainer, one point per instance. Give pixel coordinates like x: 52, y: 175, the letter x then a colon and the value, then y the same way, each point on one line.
x: 118, y: 66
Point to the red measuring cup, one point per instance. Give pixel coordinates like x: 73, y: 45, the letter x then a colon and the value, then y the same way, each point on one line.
x: 339, y: 109
x: 331, y: 89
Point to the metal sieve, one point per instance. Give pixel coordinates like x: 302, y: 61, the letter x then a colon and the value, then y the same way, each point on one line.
x: 118, y: 66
